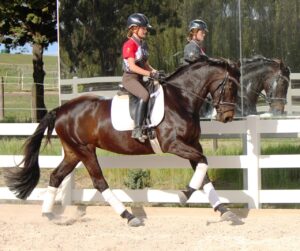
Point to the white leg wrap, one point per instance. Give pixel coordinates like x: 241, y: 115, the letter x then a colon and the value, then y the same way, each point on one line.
x: 113, y: 201
x: 49, y: 199
x: 198, y: 176
x: 211, y: 193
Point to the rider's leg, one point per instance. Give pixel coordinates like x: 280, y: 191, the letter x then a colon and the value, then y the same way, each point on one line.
x: 139, y: 118
x: 134, y: 84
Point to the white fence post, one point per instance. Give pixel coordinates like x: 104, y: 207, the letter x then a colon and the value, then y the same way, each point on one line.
x: 75, y: 86
x: 253, y: 153
x: 289, y: 104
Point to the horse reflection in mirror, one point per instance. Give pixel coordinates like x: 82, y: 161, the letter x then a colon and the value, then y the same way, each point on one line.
x: 84, y: 124
x: 262, y: 74
x: 259, y: 74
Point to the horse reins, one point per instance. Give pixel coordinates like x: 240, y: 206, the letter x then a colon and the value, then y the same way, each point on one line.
x: 221, y: 85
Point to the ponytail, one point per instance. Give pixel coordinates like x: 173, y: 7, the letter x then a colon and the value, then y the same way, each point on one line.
x: 131, y: 31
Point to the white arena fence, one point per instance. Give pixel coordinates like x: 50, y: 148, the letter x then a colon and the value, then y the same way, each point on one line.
x: 251, y: 161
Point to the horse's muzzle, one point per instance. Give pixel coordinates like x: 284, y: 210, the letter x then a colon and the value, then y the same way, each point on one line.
x: 277, y: 108
x: 226, y: 116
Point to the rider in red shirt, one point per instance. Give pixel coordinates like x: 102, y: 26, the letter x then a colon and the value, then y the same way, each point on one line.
x: 135, y: 66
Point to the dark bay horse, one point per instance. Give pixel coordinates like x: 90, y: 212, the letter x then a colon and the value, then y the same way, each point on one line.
x: 270, y: 75
x: 259, y: 74
x: 84, y: 123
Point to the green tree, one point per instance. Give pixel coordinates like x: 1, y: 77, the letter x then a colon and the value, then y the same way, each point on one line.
x: 34, y: 22
x: 92, y: 33
x: 270, y: 28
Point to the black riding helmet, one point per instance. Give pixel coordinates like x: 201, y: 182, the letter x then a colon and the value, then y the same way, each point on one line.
x: 138, y: 19
x: 198, y: 24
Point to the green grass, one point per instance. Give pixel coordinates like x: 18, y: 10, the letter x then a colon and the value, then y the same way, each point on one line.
x: 14, y: 146
x: 280, y: 146
x: 17, y: 97
x: 24, y: 59
x: 18, y: 106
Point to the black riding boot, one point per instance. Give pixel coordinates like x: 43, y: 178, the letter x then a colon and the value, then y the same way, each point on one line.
x: 139, y: 117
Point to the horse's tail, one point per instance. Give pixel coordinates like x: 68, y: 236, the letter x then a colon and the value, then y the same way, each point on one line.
x: 22, y: 181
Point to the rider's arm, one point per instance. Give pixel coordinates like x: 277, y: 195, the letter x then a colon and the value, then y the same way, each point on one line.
x: 136, y: 69
x: 149, y: 67
x: 191, y: 52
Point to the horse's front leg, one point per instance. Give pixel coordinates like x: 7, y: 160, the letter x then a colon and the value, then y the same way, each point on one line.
x: 207, y: 186
x: 199, y: 180
x: 199, y: 164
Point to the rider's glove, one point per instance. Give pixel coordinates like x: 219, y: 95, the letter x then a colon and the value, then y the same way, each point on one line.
x: 158, y: 75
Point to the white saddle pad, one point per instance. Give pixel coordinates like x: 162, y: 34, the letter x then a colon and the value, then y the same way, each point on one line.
x: 120, y: 115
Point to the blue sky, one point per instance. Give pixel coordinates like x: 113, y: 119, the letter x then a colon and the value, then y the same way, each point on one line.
x: 52, y: 50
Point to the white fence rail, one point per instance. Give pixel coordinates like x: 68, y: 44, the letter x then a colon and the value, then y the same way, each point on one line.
x: 291, y: 106
x: 252, y: 127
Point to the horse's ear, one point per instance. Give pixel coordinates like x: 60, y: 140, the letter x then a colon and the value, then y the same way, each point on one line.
x: 239, y: 64
x: 286, y: 70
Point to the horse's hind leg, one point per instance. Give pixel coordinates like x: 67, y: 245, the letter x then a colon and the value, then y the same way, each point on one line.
x: 89, y: 158
x: 65, y: 167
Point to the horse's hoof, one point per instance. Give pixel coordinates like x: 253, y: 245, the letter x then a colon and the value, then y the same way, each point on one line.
x: 182, y: 198
x: 49, y: 216
x: 232, y: 217
x: 135, y: 222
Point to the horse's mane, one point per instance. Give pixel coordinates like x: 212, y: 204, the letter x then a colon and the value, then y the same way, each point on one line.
x: 204, y: 60
x: 256, y: 63
x: 258, y: 59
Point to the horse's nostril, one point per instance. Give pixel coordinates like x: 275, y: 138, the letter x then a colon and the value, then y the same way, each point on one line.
x: 228, y: 119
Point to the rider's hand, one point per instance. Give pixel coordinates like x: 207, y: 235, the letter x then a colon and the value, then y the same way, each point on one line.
x: 158, y: 75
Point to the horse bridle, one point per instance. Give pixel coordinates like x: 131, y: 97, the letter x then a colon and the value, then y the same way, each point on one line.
x: 269, y: 99
x: 221, y: 88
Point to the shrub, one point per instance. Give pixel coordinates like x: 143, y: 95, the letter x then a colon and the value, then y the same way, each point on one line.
x: 138, y: 179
